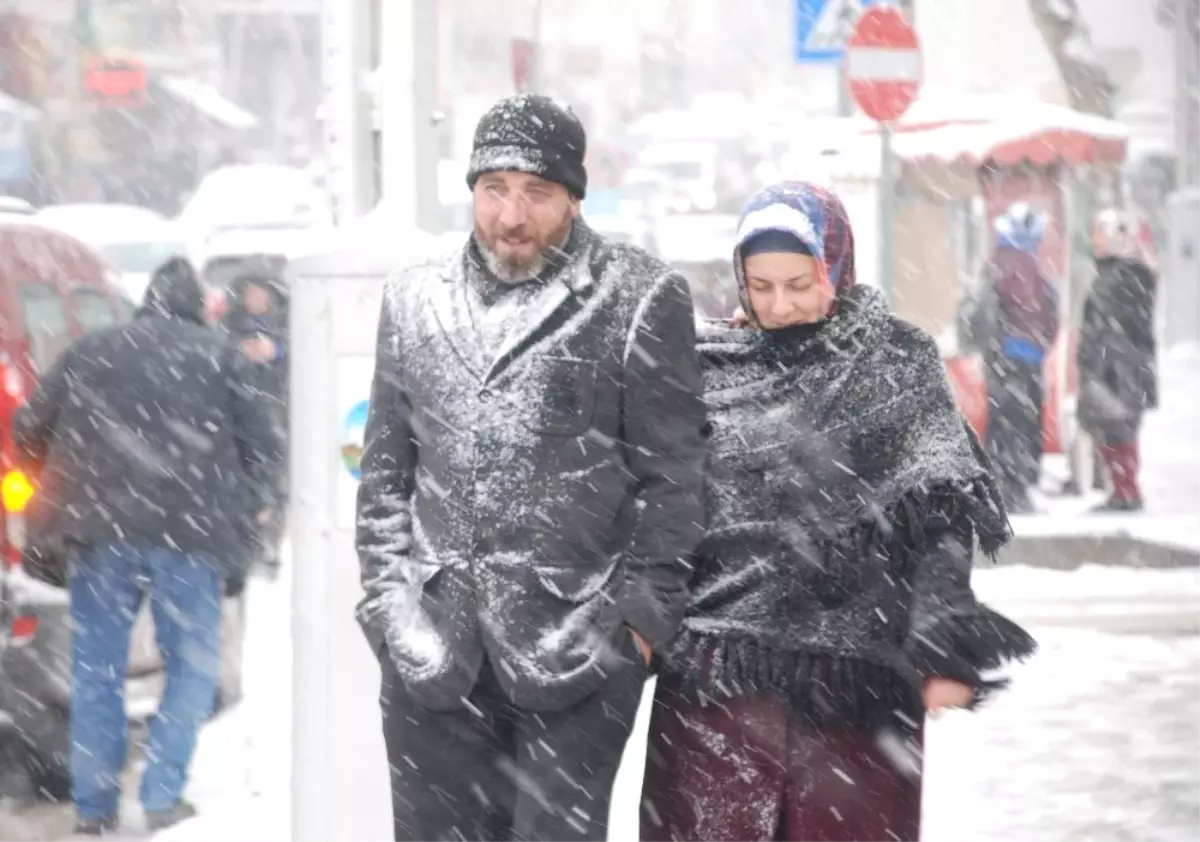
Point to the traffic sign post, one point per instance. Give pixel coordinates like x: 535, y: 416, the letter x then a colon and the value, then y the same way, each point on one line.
x: 883, y: 65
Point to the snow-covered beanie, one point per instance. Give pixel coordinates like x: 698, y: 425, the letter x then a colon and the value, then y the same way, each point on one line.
x: 1020, y: 228
x: 531, y: 133
x: 813, y: 215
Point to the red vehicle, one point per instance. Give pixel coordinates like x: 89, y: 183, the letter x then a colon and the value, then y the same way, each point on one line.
x: 53, y: 290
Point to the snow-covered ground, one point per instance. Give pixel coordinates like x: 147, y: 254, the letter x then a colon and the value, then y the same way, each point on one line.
x: 1098, y: 739
x: 1170, y: 478
x: 241, y: 779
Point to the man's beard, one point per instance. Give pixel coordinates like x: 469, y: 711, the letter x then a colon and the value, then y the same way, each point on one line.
x: 521, y: 271
x: 513, y: 271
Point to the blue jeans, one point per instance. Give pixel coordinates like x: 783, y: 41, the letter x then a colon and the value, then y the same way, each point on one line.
x: 108, y: 585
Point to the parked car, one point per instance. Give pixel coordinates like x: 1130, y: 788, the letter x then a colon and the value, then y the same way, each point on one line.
x: 78, y: 219
x: 254, y: 197
x: 54, y: 289
x: 15, y: 206
x: 135, y: 240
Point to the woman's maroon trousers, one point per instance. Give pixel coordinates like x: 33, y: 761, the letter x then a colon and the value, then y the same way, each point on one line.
x: 746, y: 769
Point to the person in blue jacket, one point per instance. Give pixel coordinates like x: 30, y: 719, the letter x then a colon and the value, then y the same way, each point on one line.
x: 1022, y: 321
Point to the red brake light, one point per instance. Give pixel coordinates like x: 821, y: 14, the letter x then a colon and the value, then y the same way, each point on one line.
x: 24, y: 628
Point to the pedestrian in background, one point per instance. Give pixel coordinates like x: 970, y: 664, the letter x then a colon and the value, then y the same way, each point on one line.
x: 144, y: 439
x: 1019, y: 321
x: 257, y: 322
x: 1118, y: 365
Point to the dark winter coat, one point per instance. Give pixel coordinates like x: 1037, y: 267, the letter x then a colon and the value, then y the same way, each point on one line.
x: 268, y: 383
x: 1118, y: 368
x: 270, y: 377
x: 144, y: 433
x: 845, y: 497
x: 1018, y: 314
x: 526, y: 507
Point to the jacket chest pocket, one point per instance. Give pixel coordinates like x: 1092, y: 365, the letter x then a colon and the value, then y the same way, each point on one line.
x: 563, y: 395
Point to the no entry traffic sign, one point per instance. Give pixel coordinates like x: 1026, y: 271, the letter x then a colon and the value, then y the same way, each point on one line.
x: 883, y: 64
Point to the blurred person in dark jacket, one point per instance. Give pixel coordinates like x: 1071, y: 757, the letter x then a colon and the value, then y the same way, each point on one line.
x: 1019, y: 315
x: 256, y: 321
x: 1118, y: 367
x: 144, y: 438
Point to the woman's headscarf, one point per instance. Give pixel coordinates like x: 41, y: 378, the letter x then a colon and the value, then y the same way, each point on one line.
x: 1020, y: 228
x: 1123, y: 235
x: 813, y: 215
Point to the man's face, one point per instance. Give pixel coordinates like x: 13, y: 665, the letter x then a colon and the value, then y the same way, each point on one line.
x: 519, y: 220
x: 256, y: 299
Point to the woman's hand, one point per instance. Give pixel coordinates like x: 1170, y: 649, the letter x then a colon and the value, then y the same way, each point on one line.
x: 739, y: 318
x: 941, y: 693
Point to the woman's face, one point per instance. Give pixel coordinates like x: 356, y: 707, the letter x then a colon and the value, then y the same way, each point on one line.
x: 786, y: 289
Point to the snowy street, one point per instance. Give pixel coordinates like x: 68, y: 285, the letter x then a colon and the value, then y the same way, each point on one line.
x: 1099, y: 738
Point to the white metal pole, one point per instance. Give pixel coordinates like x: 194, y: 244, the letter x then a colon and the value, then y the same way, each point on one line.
x: 427, y: 127
x: 314, y: 724
x: 398, y: 150
x: 347, y: 142
x: 536, y: 79
x: 1187, y: 80
x: 887, y: 205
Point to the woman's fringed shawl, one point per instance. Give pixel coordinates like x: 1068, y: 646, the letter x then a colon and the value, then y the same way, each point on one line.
x: 845, y: 496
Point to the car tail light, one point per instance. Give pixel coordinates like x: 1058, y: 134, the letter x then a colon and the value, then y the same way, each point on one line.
x: 14, y: 383
x: 24, y: 628
x: 11, y: 380
x: 16, y: 490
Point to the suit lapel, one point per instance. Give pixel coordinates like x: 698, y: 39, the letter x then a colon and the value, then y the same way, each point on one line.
x: 564, y: 297
x: 448, y: 300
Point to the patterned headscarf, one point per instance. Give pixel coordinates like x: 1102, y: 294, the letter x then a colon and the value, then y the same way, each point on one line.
x: 809, y: 212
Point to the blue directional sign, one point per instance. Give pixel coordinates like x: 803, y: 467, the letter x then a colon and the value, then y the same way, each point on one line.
x: 823, y: 26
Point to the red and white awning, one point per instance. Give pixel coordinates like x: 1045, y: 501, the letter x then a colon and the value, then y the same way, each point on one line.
x: 1008, y: 131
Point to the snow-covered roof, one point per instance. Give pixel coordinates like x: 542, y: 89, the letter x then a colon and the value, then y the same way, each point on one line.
x: 1008, y: 129
x: 209, y: 101
x: 967, y: 131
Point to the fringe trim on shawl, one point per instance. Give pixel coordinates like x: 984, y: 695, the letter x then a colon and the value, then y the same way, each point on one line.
x: 960, y: 645
x: 823, y: 688
x: 921, y: 515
